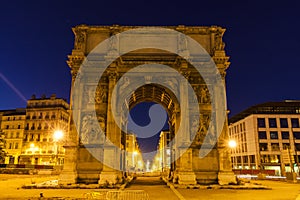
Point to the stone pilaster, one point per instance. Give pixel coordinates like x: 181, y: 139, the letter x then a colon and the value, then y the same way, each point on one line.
x: 112, y: 154
x: 184, y: 173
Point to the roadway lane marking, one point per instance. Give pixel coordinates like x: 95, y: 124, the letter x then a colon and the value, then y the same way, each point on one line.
x: 178, y: 194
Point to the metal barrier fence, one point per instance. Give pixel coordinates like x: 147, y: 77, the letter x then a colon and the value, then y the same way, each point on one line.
x: 117, y: 195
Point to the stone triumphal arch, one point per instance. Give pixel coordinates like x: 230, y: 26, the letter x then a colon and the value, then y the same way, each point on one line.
x: 100, y: 100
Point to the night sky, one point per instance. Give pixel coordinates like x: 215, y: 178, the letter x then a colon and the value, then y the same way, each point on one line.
x: 262, y: 40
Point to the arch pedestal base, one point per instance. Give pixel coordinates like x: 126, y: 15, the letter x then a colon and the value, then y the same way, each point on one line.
x: 110, y: 178
x: 225, y: 178
x: 185, y: 178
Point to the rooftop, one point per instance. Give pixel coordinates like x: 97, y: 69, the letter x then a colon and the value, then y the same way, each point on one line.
x: 283, y: 107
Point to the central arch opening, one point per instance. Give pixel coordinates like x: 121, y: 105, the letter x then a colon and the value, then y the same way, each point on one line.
x: 147, y: 123
x: 150, y: 124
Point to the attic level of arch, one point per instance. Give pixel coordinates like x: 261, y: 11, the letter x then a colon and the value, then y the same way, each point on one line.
x: 126, y: 62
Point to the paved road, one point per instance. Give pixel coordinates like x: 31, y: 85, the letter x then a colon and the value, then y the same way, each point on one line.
x: 155, y: 187
x: 10, y: 188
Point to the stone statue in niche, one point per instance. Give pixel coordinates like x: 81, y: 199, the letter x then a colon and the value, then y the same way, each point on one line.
x: 219, y: 44
x: 79, y: 40
x: 204, y: 95
x: 204, y: 124
x: 91, y: 132
x: 199, y: 127
x: 101, y: 94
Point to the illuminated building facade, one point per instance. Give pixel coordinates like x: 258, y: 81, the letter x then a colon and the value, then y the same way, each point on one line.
x: 12, y: 126
x: 30, y: 132
x: 267, y: 137
x: 163, y: 158
x: 134, y: 160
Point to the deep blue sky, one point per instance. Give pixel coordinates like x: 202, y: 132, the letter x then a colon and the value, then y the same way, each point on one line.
x: 262, y: 39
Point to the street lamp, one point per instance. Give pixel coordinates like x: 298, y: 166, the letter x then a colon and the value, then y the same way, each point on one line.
x: 232, y: 145
x: 57, y: 136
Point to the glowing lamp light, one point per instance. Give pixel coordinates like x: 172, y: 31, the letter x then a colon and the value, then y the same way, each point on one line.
x: 232, y: 144
x: 58, y: 134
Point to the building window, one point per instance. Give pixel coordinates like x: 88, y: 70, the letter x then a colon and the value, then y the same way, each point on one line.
x: 252, y: 158
x: 273, y: 135
x: 275, y: 147
x: 245, y: 159
x: 295, y: 122
x: 262, y: 135
x: 264, y: 158
x: 263, y: 146
x: 297, y: 146
x: 7, y: 126
x: 272, y: 123
x: 17, y: 135
x: 27, y: 126
x: 283, y: 123
x: 19, y: 126
x: 296, y: 135
x: 274, y: 158
x: 286, y: 146
x: 16, y: 145
x: 261, y: 123
x: 10, y: 146
x: 285, y: 135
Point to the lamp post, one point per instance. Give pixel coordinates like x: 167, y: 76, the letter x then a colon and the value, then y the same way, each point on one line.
x: 57, y: 136
x: 232, y: 145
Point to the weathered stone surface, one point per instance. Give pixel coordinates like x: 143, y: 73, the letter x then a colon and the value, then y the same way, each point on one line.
x: 189, y: 168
